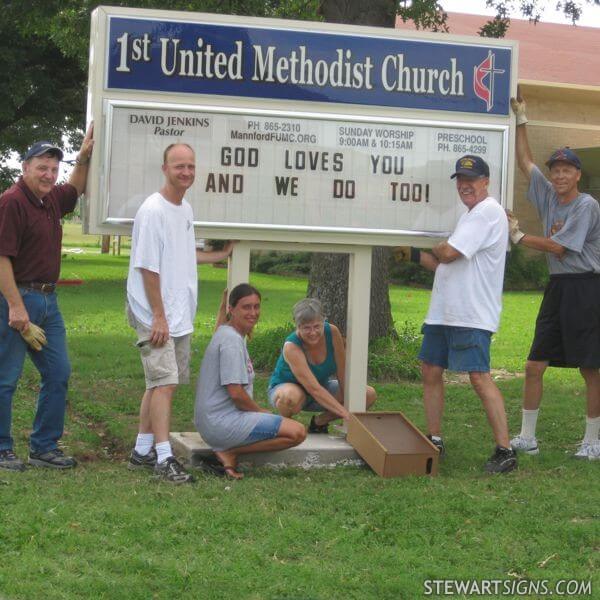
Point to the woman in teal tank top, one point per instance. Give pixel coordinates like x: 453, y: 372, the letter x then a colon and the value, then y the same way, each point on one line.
x: 309, y: 373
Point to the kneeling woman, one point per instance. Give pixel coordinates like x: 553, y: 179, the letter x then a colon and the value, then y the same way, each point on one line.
x: 226, y: 416
x: 309, y: 374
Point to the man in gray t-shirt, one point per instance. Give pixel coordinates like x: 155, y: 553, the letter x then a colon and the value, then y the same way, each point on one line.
x: 567, y: 331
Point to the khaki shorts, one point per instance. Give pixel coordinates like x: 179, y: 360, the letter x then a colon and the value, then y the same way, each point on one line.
x: 163, y: 365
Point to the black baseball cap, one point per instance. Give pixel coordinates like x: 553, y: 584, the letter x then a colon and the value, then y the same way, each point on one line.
x: 471, y: 166
x: 43, y: 147
x: 564, y: 155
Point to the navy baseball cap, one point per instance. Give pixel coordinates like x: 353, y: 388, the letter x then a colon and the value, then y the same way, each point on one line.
x: 43, y: 147
x: 564, y: 155
x: 471, y: 166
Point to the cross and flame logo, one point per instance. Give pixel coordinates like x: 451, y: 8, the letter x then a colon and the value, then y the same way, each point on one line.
x: 483, y: 79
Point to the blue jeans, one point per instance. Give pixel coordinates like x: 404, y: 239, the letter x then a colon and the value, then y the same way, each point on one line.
x: 52, y: 362
x: 462, y: 349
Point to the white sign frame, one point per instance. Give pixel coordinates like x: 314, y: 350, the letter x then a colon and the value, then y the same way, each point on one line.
x: 96, y: 219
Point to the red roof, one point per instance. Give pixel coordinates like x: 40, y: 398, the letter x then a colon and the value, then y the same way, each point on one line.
x: 547, y: 51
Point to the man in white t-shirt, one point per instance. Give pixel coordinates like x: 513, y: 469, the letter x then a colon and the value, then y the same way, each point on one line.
x: 162, y: 291
x: 465, y: 306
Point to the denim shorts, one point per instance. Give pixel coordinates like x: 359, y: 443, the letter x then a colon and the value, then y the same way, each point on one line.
x: 310, y: 404
x: 267, y: 428
x: 462, y: 349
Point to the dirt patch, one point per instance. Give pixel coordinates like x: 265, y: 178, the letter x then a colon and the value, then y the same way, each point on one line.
x: 497, y: 375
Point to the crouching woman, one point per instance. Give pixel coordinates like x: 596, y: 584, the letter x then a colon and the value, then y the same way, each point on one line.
x: 309, y: 374
x: 226, y: 416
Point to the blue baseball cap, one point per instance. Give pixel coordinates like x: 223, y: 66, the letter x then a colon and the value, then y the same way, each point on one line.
x: 471, y: 166
x: 43, y: 147
x: 564, y: 155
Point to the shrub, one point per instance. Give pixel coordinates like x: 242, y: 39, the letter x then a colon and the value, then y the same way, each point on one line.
x: 390, y: 359
x: 525, y: 272
x: 394, y: 359
x: 280, y: 263
x: 409, y: 273
x: 264, y: 347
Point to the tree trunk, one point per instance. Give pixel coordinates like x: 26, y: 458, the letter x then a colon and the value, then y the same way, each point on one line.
x: 105, y: 248
x: 328, y: 281
x: 328, y: 278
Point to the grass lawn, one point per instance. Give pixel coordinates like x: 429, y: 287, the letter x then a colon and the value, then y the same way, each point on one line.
x: 104, y: 532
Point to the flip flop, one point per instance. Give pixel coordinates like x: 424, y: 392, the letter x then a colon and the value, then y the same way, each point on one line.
x: 211, y: 459
x: 212, y: 465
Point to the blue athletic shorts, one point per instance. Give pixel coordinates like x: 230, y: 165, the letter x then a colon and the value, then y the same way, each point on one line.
x: 456, y: 348
x: 267, y: 428
x: 310, y: 404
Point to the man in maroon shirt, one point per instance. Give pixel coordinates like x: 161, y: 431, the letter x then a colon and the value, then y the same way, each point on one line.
x: 30, y: 243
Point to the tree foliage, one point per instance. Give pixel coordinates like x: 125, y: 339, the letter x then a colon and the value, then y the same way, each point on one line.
x: 44, y: 51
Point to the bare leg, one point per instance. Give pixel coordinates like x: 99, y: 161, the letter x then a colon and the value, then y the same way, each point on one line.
x: 433, y: 396
x: 160, y: 412
x: 493, y: 403
x: 289, y: 399
x: 290, y: 434
x: 145, y: 422
x: 534, y: 384
x: 592, y: 391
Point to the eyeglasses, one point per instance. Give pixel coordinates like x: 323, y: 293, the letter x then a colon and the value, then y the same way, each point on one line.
x: 310, y: 328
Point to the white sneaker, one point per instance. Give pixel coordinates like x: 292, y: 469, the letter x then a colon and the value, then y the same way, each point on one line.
x: 526, y: 445
x: 589, y: 451
x: 595, y: 451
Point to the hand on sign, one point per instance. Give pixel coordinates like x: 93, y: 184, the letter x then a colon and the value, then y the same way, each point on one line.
x: 518, y: 106
x: 228, y: 247
x: 85, y: 152
x: 516, y: 235
x: 34, y: 336
x: 406, y: 254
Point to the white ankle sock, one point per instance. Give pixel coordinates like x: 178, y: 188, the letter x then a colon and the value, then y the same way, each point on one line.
x: 163, y: 450
x: 144, y: 443
x: 529, y: 423
x: 592, y: 427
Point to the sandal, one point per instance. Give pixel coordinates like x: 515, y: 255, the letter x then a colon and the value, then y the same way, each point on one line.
x: 212, y: 465
x: 211, y: 468
x: 314, y: 428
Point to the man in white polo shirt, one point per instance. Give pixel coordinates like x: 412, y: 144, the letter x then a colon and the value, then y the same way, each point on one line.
x: 465, y: 306
x: 162, y: 291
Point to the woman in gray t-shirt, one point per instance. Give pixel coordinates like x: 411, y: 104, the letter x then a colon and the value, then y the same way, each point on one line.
x: 226, y: 416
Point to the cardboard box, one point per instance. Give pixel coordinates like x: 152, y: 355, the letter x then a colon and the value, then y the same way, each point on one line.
x: 391, y: 445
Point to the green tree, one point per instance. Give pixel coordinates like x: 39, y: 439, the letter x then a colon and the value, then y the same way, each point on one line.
x: 44, y: 50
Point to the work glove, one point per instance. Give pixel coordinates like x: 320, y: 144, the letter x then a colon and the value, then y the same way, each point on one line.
x: 519, y: 107
x: 34, y: 336
x: 406, y: 254
x: 516, y: 235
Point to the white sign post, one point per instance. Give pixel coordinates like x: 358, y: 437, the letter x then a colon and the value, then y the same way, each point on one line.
x: 307, y: 135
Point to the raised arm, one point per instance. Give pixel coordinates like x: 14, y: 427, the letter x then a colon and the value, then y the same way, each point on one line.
x: 79, y: 174
x: 524, y: 156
